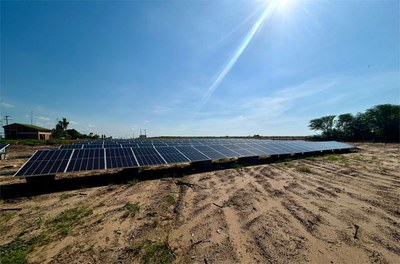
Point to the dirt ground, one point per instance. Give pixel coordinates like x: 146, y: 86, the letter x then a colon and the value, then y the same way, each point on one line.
x: 341, y: 208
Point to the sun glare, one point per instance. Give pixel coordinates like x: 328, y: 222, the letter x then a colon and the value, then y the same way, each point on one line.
x: 284, y: 6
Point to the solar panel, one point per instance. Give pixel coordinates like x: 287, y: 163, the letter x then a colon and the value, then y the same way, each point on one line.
x: 256, y: 149
x: 148, y: 156
x: 288, y: 147
x: 3, y: 146
x: 72, y: 146
x: 240, y: 148
x: 172, y: 155
x: 120, y: 158
x: 192, y: 154
x: 86, y: 159
x: 210, y: 152
x: 280, y: 147
x: 93, y: 146
x: 253, y: 148
x: 336, y: 145
x: 226, y: 151
x: 299, y: 147
x: 45, y: 162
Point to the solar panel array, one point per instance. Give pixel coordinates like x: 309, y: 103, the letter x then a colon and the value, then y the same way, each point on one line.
x: 97, y: 155
x: 3, y: 146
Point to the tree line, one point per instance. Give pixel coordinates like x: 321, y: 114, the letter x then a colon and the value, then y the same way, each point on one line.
x: 61, y: 131
x: 379, y: 123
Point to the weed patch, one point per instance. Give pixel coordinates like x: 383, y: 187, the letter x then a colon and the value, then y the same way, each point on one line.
x: 5, y: 218
x: 332, y: 157
x: 17, y: 250
x: 304, y: 169
x: 169, y: 200
x: 229, y: 203
x: 65, y: 196
x: 68, y: 219
x: 153, y: 252
x: 131, y: 209
x: 338, y: 158
x: 237, y: 165
x: 133, y: 181
x: 358, y: 157
x: 158, y: 253
x: 288, y: 164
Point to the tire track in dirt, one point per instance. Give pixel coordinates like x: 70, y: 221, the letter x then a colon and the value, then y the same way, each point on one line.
x: 219, y: 221
x: 343, y: 173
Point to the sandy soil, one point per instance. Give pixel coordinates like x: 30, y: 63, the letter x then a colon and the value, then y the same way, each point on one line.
x: 330, y: 209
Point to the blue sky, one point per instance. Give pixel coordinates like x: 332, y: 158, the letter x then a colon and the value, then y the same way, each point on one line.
x: 196, y: 67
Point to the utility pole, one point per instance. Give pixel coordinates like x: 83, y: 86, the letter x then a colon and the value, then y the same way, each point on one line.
x: 7, y: 117
x: 31, y: 117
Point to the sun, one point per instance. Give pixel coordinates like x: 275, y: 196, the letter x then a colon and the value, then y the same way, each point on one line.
x: 284, y: 6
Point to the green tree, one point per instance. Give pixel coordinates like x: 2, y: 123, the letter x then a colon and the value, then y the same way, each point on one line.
x: 361, y: 128
x: 381, y: 123
x: 60, y: 130
x: 384, y: 121
x: 74, y: 134
x: 63, y: 123
x: 344, y: 126
x: 324, y: 124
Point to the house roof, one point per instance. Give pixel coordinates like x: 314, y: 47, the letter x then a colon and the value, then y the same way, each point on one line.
x: 30, y: 126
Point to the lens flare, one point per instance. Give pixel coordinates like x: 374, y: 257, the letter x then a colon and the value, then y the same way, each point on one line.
x: 238, y: 52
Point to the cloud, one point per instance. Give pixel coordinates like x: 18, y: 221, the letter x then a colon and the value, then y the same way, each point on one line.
x: 73, y: 122
x: 288, y: 111
x: 7, y: 105
x: 279, y: 102
x: 43, y: 118
x: 161, y: 110
x: 147, y: 121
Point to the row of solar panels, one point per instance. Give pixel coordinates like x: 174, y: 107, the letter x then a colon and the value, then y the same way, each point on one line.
x: 163, y: 141
x: 45, y: 162
x: 166, y: 143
